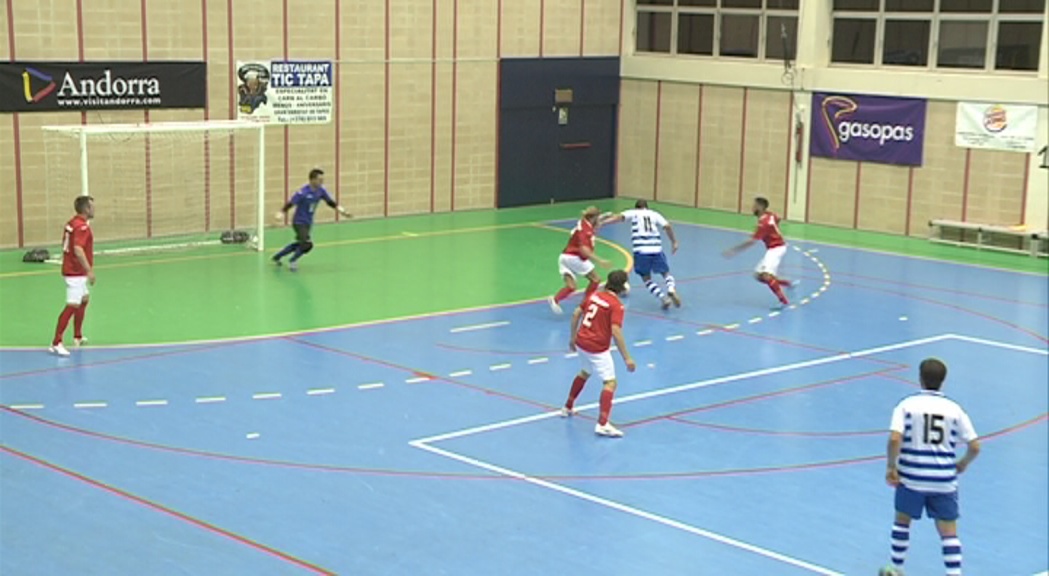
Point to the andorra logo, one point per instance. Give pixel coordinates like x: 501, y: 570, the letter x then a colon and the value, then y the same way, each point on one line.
x: 27, y: 82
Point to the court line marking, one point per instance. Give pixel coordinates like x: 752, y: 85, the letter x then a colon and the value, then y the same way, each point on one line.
x: 319, y: 391
x: 363, y: 324
x: 418, y: 380
x: 542, y: 360
x: 641, y: 343
x: 475, y: 327
x: 665, y: 521
x: 210, y: 399
x: 266, y: 396
x: 26, y: 406
x: 695, y: 385
x: 997, y: 344
x: 498, y: 367
x: 371, y: 386
x: 462, y: 373
x: 90, y: 405
x: 151, y: 403
x: 674, y: 338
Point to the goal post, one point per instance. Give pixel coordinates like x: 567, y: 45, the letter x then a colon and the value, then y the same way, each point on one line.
x: 163, y: 185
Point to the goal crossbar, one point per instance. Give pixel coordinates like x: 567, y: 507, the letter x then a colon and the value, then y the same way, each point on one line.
x: 156, y: 127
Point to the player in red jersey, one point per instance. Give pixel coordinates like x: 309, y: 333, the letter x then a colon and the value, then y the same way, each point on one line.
x: 595, y: 324
x: 78, y: 259
x: 578, y: 259
x: 775, y: 247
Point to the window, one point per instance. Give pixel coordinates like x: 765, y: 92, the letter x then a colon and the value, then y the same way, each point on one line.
x: 979, y: 35
x: 751, y: 29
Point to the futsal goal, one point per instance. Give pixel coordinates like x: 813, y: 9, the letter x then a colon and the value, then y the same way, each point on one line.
x: 160, y: 186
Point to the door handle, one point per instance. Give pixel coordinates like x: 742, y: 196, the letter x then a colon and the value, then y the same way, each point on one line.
x: 574, y: 145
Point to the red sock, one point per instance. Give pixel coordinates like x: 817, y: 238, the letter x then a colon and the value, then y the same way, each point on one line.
x: 63, y: 323
x: 78, y: 320
x: 606, y: 406
x: 563, y: 293
x: 577, y: 388
x: 774, y: 285
x: 591, y: 288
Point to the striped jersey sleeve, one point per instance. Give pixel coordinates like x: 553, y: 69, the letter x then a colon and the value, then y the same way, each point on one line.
x: 646, y: 230
x: 932, y: 427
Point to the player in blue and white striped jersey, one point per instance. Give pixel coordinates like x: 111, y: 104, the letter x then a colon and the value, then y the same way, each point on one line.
x: 924, y: 435
x: 646, y: 233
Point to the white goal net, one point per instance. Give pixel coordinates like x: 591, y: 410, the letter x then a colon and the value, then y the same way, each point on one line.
x: 160, y: 186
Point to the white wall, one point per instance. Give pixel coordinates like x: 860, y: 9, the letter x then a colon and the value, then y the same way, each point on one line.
x: 814, y: 73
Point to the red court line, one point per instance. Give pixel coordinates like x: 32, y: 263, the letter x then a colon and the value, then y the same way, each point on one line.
x: 994, y: 319
x: 156, y: 507
x: 756, y: 397
x: 937, y: 289
x: 762, y: 432
x: 17, y: 132
x: 470, y: 476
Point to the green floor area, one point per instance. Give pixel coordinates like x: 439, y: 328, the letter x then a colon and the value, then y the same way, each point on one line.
x: 360, y: 272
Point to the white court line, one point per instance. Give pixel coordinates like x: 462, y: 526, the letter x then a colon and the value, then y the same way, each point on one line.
x: 473, y: 327
x: 26, y: 406
x: 694, y: 385
x: 370, y: 386
x: 704, y: 332
x: 210, y: 399
x: 90, y: 405
x: 572, y: 355
x: 755, y: 320
x: 774, y: 313
x: 417, y: 380
x: 460, y: 373
x: 151, y: 403
x: 641, y: 343
x: 629, y: 510
x: 730, y: 326
x: 498, y: 367
x: 266, y: 396
x: 543, y: 360
x: 997, y: 344
x: 319, y: 391
x: 1046, y: 573
x: 675, y: 338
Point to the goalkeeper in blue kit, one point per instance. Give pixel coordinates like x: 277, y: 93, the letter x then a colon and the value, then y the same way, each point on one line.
x: 305, y: 202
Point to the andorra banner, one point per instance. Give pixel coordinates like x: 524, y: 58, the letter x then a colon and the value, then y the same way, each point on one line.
x: 86, y: 86
x: 878, y: 129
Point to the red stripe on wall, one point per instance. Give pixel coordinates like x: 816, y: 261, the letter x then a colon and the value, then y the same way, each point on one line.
x: 455, y: 90
x: 1023, y: 193
x: 790, y: 157
x: 699, y: 145
x: 232, y: 115
x: 542, y: 26
x: 338, y: 108
x: 79, y: 42
x: 808, y: 188
x: 386, y: 117
x: 742, y: 149
x: 498, y: 96
x: 207, y: 116
x: 149, y: 155
x: 965, y: 185
x: 622, y: 23
x: 659, y: 118
x: 856, y: 199
x: 582, y: 27
x: 433, y: 108
x: 287, y: 159
x: 910, y: 201
x: 17, y: 132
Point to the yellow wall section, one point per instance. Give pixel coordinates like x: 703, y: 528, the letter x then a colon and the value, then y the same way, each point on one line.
x: 438, y: 59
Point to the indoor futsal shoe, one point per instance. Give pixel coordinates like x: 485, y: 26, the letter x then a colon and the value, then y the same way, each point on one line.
x: 608, y: 431
x: 890, y: 571
x: 674, y: 298
x: 554, y: 306
x: 59, y: 350
x: 666, y: 303
x: 293, y: 266
x: 567, y: 412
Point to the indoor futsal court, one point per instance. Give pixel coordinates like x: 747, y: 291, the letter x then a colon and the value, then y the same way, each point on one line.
x: 406, y: 423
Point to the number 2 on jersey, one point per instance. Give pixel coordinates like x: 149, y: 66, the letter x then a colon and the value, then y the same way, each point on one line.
x: 588, y: 318
x: 933, y: 432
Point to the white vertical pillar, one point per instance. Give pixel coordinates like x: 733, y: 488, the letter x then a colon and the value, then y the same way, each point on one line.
x: 813, y: 52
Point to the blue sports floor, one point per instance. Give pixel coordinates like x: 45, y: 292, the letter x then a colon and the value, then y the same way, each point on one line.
x: 430, y: 446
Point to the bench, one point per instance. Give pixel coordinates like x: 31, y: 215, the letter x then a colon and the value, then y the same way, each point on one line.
x: 1015, y: 239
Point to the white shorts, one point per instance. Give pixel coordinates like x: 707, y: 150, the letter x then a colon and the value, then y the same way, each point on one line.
x: 770, y: 262
x: 600, y: 364
x: 76, y: 289
x: 574, y: 266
